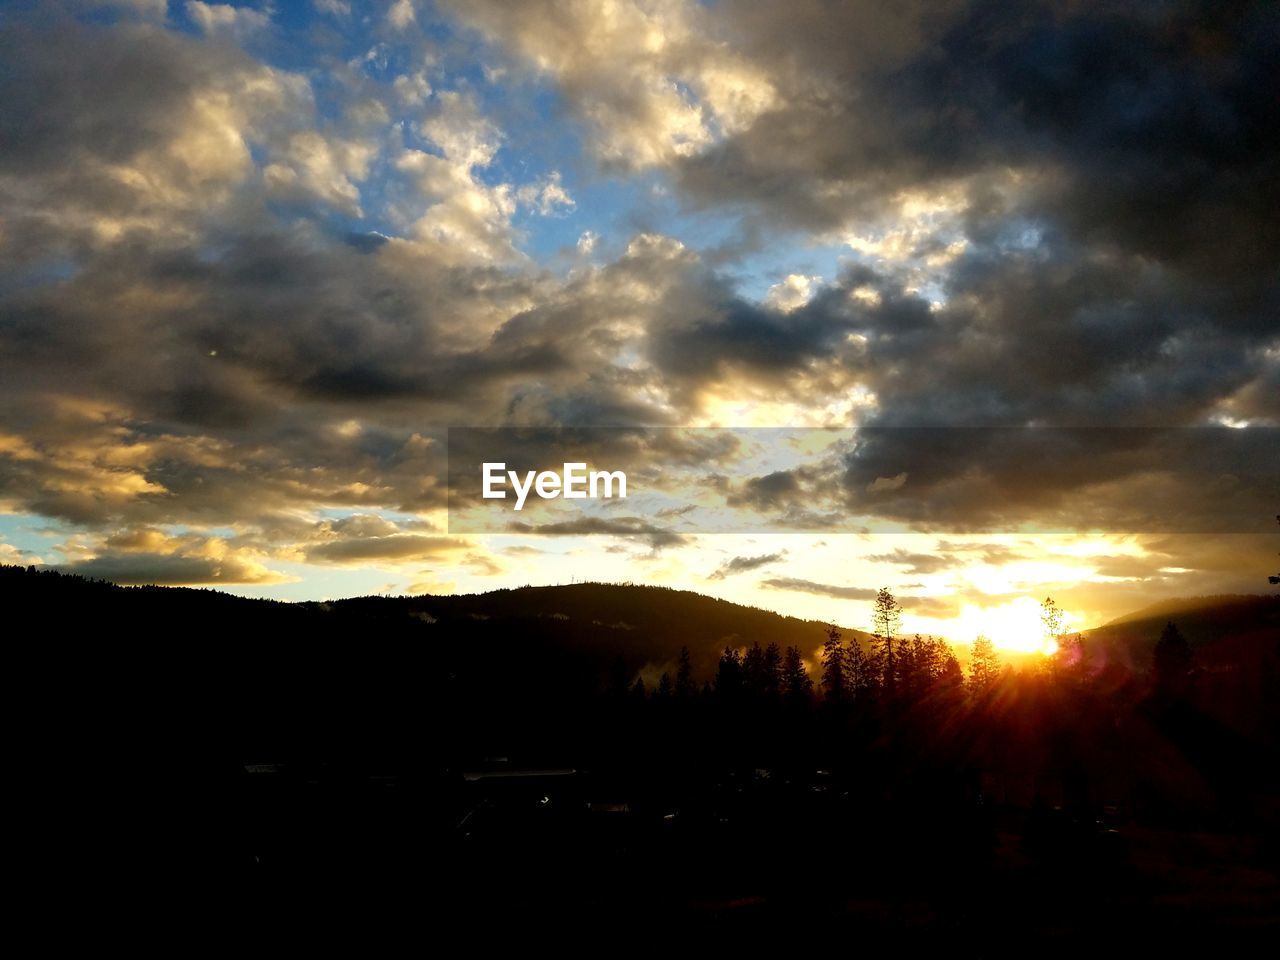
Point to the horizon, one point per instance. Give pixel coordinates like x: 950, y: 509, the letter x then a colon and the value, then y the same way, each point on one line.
x: 1030, y: 649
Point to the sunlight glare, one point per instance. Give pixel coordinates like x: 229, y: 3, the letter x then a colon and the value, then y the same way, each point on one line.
x: 1012, y: 626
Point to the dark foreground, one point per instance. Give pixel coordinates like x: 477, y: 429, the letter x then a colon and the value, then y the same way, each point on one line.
x: 557, y: 852
x: 237, y: 768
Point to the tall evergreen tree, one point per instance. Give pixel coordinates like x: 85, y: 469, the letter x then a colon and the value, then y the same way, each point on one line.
x: 919, y: 666
x: 729, y: 676
x: 886, y: 618
x: 950, y: 676
x: 863, y: 672
x: 638, y: 691
x: 1051, y: 619
x: 940, y: 656
x: 797, y: 685
x: 771, y: 677
x: 753, y: 671
x: 834, y: 686
x: 685, y: 688
x: 984, y: 664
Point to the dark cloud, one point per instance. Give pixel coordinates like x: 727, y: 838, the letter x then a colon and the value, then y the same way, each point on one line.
x: 1205, y: 480
x: 743, y: 564
x: 1130, y: 117
x: 1113, y: 171
x: 773, y: 490
x: 629, y: 527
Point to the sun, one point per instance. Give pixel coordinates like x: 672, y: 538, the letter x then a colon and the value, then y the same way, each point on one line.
x: 1013, y: 626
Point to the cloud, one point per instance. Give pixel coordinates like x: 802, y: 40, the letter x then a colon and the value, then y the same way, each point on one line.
x: 950, y: 556
x: 650, y: 82
x: 918, y: 563
x: 792, y: 292
x: 657, y: 537
x: 770, y: 491
x: 743, y: 564
x: 169, y: 570
x: 879, y: 484
x: 239, y: 291
x: 363, y: 538
x: 311, y: 166
x: 401, y: 546
x: 401, y: 13
x: 12, y: 555
x: 797, y: 585
x: 147, y: 555
x: 223, y: 19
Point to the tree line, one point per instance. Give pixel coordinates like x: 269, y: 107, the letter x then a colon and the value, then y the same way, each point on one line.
x: 890, y: 667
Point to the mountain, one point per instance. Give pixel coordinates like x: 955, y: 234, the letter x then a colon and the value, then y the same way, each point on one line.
x: 644, y: 625
x: 1235, y: 627
x: 265, y: 678
x: 581, y: 629
x: 1235, y: 666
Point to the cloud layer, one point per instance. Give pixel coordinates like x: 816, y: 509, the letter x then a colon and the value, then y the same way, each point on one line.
x: 246, y: 284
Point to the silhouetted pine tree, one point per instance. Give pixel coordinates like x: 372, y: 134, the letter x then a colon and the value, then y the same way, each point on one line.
x: 950, y: 676
x: 685, y: 688
x: 771, y: 676
x: 729, y: 676
x: 863, y: 671
x: 797, y: 686
x: 984, y: 665
x: 886, y: 618
x: 908, y: 679
x: 753, y: 671
x: 919, y: 666
x: 835, y: 689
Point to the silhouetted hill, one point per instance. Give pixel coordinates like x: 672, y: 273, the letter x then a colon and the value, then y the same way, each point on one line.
x: 1235, y: 665
x: 1218, y: 626
x: 646, y: 626
x: 276, y: 674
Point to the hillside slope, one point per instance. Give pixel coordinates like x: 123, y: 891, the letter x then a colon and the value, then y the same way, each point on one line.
x: 645, y: 626
x: 1216, y: 626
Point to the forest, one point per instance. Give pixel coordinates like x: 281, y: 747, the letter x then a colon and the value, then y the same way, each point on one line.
x: 768, y: 770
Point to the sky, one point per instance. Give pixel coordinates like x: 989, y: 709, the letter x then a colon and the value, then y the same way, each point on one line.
x: 257, y: 260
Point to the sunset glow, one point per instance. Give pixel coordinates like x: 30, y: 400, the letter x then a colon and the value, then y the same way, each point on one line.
x: 1014, y: 626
